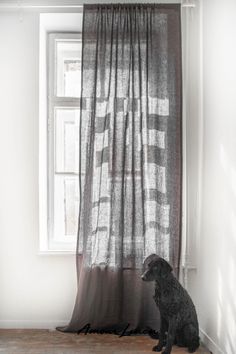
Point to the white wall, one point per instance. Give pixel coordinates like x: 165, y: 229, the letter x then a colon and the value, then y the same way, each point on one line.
x: 213, y: 285
x: 36, y: 291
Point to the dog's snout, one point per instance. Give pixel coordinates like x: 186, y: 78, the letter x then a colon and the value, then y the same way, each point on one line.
x: 143, y: 277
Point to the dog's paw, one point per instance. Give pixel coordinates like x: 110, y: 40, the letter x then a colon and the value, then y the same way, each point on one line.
x: 157, y: 348
x: 165, y: 352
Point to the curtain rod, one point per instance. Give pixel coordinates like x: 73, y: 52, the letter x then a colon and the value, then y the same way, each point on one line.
x: 22, y: 6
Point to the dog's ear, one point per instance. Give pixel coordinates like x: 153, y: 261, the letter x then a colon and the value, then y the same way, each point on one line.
x: 165, y: 267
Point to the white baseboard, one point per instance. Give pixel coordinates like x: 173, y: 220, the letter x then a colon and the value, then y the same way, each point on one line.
x: 27, y: 324
x: 210, y: 343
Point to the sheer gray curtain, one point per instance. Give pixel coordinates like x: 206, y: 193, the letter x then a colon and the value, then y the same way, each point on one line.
x: 130, y: 160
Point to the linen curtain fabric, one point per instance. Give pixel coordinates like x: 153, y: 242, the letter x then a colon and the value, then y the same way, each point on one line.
x: 130, y: 160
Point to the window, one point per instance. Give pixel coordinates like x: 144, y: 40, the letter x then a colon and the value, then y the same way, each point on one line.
x: 59, y: 104
x: 64, y: 81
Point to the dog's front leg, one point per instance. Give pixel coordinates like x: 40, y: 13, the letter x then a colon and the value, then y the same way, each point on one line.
x: 170, y: 336
x: 162, y: 336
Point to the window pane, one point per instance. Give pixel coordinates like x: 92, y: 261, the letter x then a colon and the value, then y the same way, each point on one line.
x: 68, y: 65
x: 67, y: 140
x: 66, y: 206
x: 71, y: 195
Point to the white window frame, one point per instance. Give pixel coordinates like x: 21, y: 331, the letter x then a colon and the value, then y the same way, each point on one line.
x: 57, y: 102
x: 50, y: 22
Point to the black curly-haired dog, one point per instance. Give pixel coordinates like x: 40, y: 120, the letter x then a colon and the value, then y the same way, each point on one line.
x: 178, y: 314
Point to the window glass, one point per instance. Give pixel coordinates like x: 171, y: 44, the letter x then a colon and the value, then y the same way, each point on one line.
x: 68, y: 64
x: 66, y: 140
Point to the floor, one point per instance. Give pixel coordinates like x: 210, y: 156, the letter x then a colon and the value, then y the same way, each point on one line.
x: 54, y: 342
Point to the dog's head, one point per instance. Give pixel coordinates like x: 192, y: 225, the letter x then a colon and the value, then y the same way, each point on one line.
x: 157, y: 268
